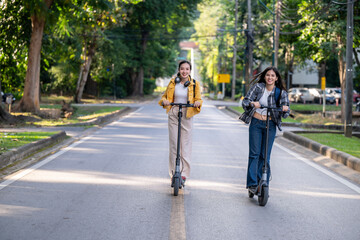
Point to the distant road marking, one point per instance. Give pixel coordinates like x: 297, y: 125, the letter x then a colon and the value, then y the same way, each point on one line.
x: 321, y: 169
x: 26, y: 171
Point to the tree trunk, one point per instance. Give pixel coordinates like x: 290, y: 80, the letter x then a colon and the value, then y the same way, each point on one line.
x: 138, y: 79
x: 138, y: 82
x: 322, y: 70
x: 5, y: 117
x: 289, y: 63
x: 84, y: 70
x: 342, y: 70
x: 30, y: 101
x: 249, y: 49
x: 277, y: 32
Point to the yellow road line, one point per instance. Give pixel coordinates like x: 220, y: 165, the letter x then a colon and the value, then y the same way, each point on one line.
x: 177, y: 218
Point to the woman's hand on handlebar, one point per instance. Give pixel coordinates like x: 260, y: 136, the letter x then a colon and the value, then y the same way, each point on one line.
x: 285, y: 108
x: 197, y: 104
x: 166, y: 102
x: 255, y: 104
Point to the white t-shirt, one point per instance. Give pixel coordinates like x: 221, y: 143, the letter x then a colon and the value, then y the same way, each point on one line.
x: 264, y: 102
x: 181, y: 93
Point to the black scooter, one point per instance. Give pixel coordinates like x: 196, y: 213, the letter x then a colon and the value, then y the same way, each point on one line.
x: 177, y: 181
x: 262, y: 190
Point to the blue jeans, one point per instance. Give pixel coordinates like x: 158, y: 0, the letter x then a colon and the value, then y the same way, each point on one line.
x: 257, y: 139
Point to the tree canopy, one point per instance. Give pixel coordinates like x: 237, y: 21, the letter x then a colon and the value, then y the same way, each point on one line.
x: 117, y: 47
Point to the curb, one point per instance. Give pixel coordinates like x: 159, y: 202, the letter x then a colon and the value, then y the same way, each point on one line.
x: 319, y: 126
x: 15, y: 154
x: 232, y: 110
x: 344, y: 158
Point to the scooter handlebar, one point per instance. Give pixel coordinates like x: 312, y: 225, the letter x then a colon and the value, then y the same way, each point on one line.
x: 182, y: 104
x: 279, y: 109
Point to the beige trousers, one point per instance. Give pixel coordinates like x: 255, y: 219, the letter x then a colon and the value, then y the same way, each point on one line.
x: 185, y: 141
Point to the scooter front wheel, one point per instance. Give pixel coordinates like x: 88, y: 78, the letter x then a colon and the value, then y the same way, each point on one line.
x: 264, y: 196
x: 176, y: 186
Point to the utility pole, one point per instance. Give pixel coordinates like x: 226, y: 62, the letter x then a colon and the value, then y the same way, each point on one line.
x: 249, y: 48
x: 235, y: 55
x: 349, y: 69
x: 277, y: 32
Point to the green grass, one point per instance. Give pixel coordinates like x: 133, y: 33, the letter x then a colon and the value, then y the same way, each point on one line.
x: 84, y: 112
x: 50, y: 106
x: 315, y: 118
x: 9, y: 140
x: 239, y: 109
x: 337, y: 141
x: 314, y: 107
x: 81, y: 114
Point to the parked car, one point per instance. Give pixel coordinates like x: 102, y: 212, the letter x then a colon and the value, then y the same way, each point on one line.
x: 318, y: 96
x: 300, y: 95
x: 329, y: 97
x: 336, y: 92
x: 316, y: 93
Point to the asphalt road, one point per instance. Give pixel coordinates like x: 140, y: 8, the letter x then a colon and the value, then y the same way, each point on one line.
x: 114, y: 184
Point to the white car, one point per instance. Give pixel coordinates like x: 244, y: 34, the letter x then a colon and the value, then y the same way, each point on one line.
x: 300, y: 95
x: 318, y: 95
x: 336, y: 92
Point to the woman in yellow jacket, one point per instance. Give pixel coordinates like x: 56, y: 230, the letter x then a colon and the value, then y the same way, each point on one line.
x: 181, y: 90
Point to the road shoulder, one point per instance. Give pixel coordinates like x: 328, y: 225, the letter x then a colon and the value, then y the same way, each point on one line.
x: 336, y: 167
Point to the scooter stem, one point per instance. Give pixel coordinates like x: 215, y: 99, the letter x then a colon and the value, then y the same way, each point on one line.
x: 267, y: 141
x: 177, y: 163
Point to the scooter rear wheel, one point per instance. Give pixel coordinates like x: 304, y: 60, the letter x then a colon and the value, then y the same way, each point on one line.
x: 176, y: 186
x: 263, y: 198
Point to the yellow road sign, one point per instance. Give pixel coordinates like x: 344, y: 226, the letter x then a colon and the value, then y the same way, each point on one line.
x: 323, y: 83
x: 223, y: 78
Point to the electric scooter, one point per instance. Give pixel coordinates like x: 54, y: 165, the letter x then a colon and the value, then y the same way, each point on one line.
x: 177, y: 181
x: 262, y: 190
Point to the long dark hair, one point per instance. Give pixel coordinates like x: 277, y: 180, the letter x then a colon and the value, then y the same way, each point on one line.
x: 184, y: 61
x: 260, y: 77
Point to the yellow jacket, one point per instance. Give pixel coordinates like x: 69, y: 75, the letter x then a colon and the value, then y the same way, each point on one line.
x: 169, y: 95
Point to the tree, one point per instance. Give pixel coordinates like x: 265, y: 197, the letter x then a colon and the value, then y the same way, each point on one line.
x: 159, y: 20
x: 95, y: 17
x: 325, y: 34
x: 214, y: 33
x: 5, y: 117
x: 30, y: 99
x: 99, y: 16
x: 15, y: 29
